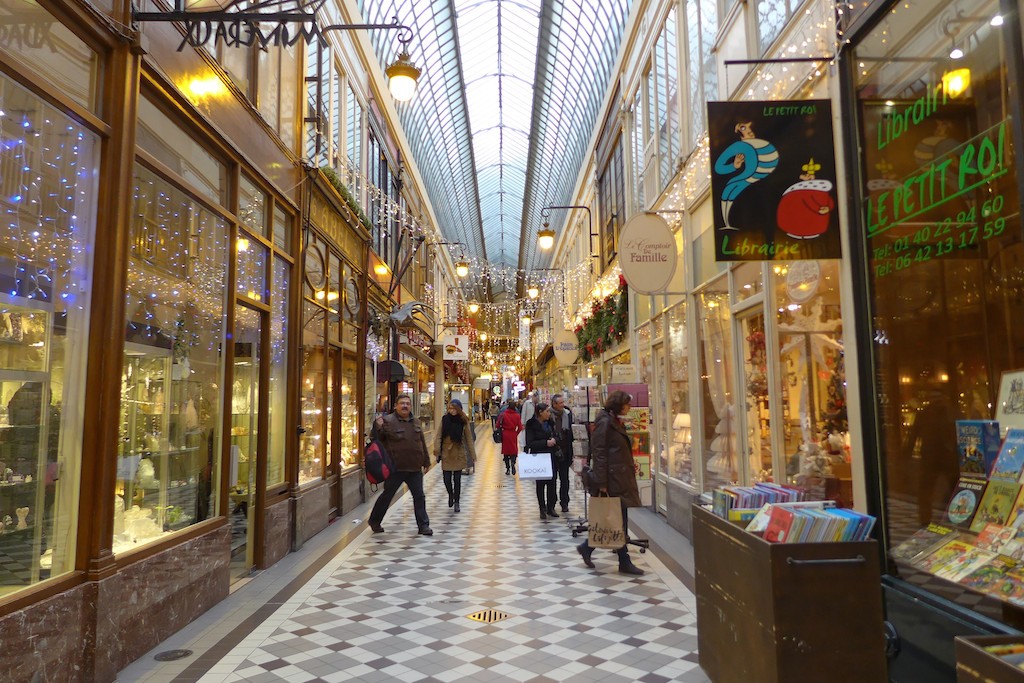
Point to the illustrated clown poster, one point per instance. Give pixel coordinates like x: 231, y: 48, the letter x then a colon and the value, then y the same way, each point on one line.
x: 773, y: 180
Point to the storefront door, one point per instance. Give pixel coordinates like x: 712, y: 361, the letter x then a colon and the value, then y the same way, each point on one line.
x: 758, y: 444
x: 245, y: 399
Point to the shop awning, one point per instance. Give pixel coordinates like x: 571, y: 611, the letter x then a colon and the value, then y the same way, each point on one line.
x: 392, y: 371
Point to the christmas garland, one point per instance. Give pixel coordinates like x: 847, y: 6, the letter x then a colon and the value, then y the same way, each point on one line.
x: 606, y: 325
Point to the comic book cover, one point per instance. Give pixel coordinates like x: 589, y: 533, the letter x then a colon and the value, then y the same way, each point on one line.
x: 989, y: 574
x: 1010, y: 462
x: 996, y: 504
x: 978, y: 446
x: 964, y: 501
x: 962, y: 564
x: 943, y: 555
x: 995, y: 537
x: 1009, y: 587
x: 922, y: 542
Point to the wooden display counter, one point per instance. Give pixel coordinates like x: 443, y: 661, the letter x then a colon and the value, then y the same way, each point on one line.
x: 773, y: 612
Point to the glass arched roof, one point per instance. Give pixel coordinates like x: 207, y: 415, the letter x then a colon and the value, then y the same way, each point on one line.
x: 505, y: 107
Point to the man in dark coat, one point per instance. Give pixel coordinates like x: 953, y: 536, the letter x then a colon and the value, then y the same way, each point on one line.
x: 562, y: 418
x: 613, y: 473
x: 403, y: 437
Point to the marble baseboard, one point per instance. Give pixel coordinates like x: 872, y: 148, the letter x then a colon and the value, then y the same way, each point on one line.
x: 49, y: 638
x: 151, y: 599
x: 351, y: 491
x: 311, y: 511
x: 277, y: 532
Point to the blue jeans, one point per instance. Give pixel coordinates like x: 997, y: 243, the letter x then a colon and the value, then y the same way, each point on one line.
x: 414, y: 480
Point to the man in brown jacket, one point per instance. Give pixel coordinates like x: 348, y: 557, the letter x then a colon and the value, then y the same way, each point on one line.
x: 403, y: 437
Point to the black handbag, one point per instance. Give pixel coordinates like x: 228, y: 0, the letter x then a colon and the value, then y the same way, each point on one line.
x: 496, y: 435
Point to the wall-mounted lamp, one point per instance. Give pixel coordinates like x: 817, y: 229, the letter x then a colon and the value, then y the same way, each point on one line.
x: 526, y: 320
x: 546, y: 237
x: 403, y: 74
x: 956, y: 52
x: 483, y: 336
x: 461, y: 268
x: 533, y: 292
x: 474, y: 307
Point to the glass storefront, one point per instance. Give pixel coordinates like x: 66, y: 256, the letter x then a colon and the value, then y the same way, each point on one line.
x: 941, y: 218
x: 172, y: 377
x: 48, y: 185
x: 329, y: 397
x: 719, y: 432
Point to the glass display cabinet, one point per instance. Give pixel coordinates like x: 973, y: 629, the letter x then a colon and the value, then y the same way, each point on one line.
x: 158, y: 466
x: 29, y: 426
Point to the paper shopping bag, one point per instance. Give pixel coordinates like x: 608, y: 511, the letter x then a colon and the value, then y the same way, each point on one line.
x: 604, y: 518
x: 534, y: 466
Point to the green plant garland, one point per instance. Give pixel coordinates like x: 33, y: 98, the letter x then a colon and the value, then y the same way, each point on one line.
x: 347, y: 195
x: 606, y: 325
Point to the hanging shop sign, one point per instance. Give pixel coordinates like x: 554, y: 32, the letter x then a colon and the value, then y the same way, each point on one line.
x: 773, y: 172
x: 456, y: 347
x: 566, y: 347
x: 647, y: 253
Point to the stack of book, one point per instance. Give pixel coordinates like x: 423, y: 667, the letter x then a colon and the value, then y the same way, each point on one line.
x: 792, y: 524
x: 741, y: 503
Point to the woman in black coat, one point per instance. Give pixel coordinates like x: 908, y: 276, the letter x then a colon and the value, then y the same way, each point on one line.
x: 611, y: 452
x: 540, y: 438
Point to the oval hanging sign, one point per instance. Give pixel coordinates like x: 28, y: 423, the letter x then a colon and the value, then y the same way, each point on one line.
x: 647, y: 253
x: 566, y: 347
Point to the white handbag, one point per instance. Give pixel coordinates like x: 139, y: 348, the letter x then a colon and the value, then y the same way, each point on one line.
x: 534, y: 466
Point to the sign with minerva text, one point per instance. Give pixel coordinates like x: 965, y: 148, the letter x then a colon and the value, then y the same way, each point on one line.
x: 566, y: 347
x: 647, y: 253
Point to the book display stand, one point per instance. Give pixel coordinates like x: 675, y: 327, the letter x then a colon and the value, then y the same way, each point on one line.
x: 790, y: 610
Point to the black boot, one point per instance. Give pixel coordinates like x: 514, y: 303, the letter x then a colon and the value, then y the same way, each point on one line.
x: 552, y: 513
x: 626, y: 565
x: 451, y: 499
x: 457, y: 505
x: 542, y: 513
x: 585, y: 552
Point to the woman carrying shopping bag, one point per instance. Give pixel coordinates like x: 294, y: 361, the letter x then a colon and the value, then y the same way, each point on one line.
x: 612, y: 472
x: 454, y: 449
x: 510, y: 426
x: 540, y: 438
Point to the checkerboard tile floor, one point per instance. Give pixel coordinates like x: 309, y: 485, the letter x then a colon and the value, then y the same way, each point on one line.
x: 396, y: 607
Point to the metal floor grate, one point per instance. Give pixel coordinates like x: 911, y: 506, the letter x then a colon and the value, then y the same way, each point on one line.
x: 488, y: 616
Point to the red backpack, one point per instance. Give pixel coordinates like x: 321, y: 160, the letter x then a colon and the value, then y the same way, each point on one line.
x: 378, y: 463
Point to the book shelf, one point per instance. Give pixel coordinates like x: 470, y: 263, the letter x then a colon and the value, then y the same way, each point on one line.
x: 774, y: 612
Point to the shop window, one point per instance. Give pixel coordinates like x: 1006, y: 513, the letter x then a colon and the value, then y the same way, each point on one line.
x: 253, y: 257
x: 180, y: 152
x: 253, y: 206
x: 278, y: 394
x: 719, y: 432
x: 612, y: 202
x: 48, y: 185
x: 333, y: 298
x: 756, y: 398
x: 680, y: 451
x: 282, y: 229
x: 312, y: 398
x: 946, y: 256
x: 748, y: 280
x: 39, y: 42
x: 354, y: 139
x: 168, y: 460
x: 702, y: 79
x: 637, y: 152
x: 772, y: 16
x: 349, y: 411
x: 667, y: 60
x: 812, y: 373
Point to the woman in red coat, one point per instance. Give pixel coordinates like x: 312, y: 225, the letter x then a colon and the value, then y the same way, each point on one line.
x: 510, y: 425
